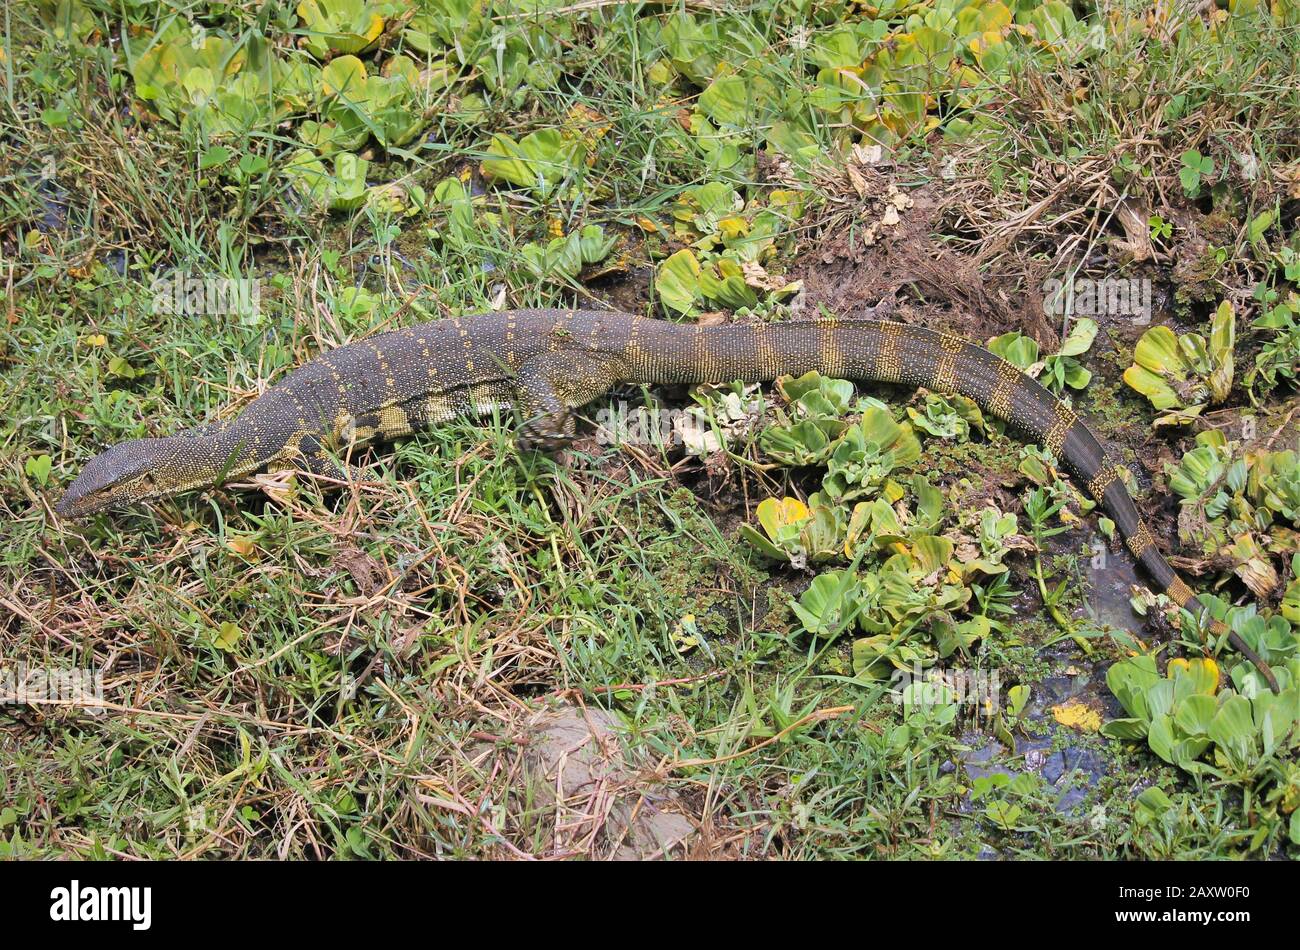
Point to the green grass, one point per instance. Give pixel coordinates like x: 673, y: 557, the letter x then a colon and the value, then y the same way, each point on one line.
x: 306, y: 675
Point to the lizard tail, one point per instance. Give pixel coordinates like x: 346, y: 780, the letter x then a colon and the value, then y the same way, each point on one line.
x: 1006, y: 392
x: 885, y: 351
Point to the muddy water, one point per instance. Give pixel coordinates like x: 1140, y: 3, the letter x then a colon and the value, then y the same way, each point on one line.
x: 1111, y: 578
x: 1070, y: 762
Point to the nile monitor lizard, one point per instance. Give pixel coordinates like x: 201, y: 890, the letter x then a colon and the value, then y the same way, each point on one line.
x: 545, y: 363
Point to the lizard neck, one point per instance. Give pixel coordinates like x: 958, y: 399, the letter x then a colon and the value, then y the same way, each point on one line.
x: 217, y: 451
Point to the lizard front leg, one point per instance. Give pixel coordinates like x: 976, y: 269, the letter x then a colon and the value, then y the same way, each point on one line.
x: 313, y: 457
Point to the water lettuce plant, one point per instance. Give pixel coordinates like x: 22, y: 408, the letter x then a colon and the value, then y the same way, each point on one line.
x: 867, y: 453
x: 946, y: 417
x: 357, y: 104
x: 1236, y: 733
x: 341, y: 26
x: 684, y: 283
x: 727, y: 238
x: 342, y: 189
x: 1278, y: 360
x: 802, y: 534
x: 217, y: 88
x: 562, y: 258
x: 1057, y: 370
x: 1181, y: 375
x: 831, y: 603
x: 546, y: 161
x: 1238, y: 505
x: 813, y: 425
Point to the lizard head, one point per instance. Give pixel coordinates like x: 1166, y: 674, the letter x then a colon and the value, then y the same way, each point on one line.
x: 130, y: 472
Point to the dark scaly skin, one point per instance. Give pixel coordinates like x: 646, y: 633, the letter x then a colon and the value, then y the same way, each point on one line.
x: 546, y: 363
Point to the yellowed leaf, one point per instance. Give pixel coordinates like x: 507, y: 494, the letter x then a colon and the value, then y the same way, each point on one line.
x: 1076, y: 715
x: 733, y: 226
x: 1203, y: 671
x: 242, y: 546
x: 374, y: 28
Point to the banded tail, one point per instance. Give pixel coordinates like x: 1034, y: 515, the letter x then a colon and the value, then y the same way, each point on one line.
x: 886, y: 351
